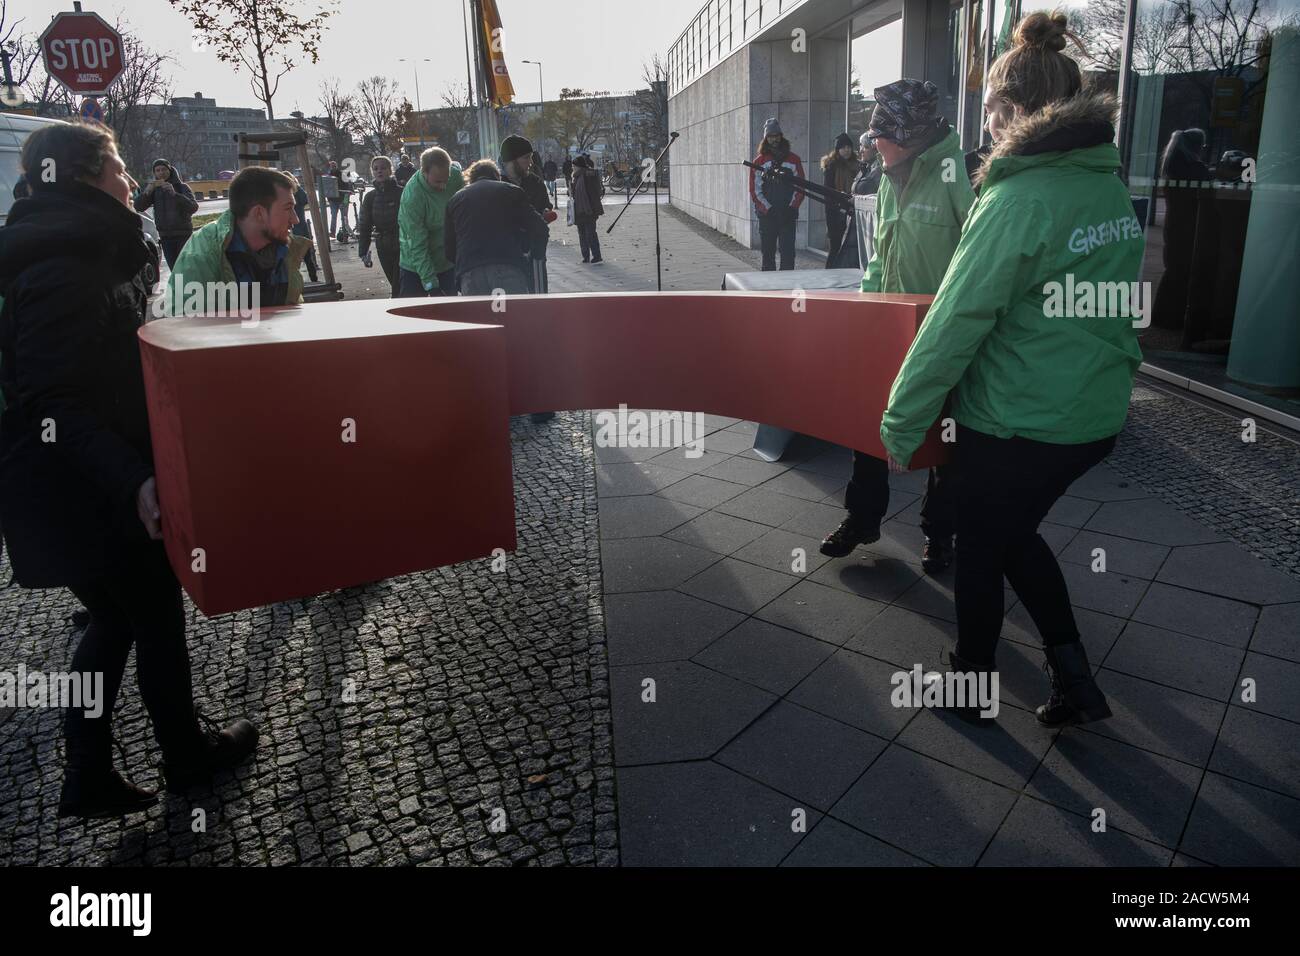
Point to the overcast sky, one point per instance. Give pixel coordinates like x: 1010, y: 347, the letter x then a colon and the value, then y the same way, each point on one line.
x: 592, y: 44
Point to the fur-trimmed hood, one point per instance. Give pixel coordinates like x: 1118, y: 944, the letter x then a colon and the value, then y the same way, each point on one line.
x: 1079, y: 122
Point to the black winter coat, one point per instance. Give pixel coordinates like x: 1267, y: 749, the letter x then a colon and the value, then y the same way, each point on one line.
x: 75, y: 274
x: 173, y: 212
x: 379, y: 210
x: 492, y: 222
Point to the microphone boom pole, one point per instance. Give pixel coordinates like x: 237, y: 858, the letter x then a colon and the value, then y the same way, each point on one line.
x: 659, y: 279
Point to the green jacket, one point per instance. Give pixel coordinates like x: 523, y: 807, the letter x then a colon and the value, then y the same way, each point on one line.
x: 1018, y: 365
x: 203, y: 260
x: 917, y: 232
x: 420, y: 221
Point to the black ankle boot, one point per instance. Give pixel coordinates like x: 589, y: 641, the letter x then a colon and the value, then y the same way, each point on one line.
x: 1075, y: 696
x: 95, y: 794
x: 936, y: 555
x: 216, y: 749
x: 848, y: 536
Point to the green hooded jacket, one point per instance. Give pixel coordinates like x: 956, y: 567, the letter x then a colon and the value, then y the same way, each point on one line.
x: 420, y: 221
x: 917, y: 232
x: 1052, y: 219
x: 203, y: 260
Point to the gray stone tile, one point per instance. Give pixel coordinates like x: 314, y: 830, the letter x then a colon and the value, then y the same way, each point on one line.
x: 744, y: 428
x: 1122, y: 555
x: 696, y: 711
x: 943, y: 815
x: 713, y: 423
x: 1228, y: 571
x: 702, y: 814
x: 1259, y: 749
x: 747, y: 471
x: 1142, y: 793
x: 765, y: 655
x: 702, y: 491
x: 766, y: 507
x: 1182, y: 859
x: 799, y: 752
x: 825, y: 613
x: 869, y: 575
x: 834, y: 844
x: 1169, y: 722
x: 1111, y: 593
x: 775, y: 551
x: 738, y: 585
x: 634, y: 478
x: 1102, y: 484
x: 650, y: 564
x: 837, y: 463
x: 804, y: 484
x: 1039, y: 834
x: 1277, y: 685
x: 1278, y: 632
x: 1057, y: 536
x: 639, y: 516
x: 1071, y: 512
x: 899, y: 501
x: 662, y: 626
x: 931, y: 595
x: 854, y: 690
x: 910, y: 514
x: 1098, y: 631
x: 614, y: 455
x: 716, y: 532
x: 678, y: 459
x: 1150, y: 520
x: 903, y: 638
x: 1176, y: 660
x: 912, y: 482
x: 1200, y: 615
x: 815, y: 521
x: 727, y: 443
x: 1005, y: 749
x: 1236, y: 824
x: 900, y: 541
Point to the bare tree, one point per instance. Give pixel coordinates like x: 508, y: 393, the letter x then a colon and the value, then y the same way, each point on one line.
x: 339, y: 111
x: 268, y: 38
x: 22, y: 47
x: 135, y: 105
x: 378, y: 109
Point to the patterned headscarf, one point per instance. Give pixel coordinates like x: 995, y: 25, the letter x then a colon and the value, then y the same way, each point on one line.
x: 905, y: 111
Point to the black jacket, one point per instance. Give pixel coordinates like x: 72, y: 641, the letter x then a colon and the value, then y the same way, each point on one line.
x: 404, y: 171
x: 379, y: 214
x: 173, y: 211
x: 491, y: 222
x: 75, y: 271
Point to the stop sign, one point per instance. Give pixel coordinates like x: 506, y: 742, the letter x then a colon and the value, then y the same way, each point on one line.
x: 82, y: 52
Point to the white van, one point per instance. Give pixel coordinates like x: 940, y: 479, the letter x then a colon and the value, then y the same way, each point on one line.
x: 14, y: 130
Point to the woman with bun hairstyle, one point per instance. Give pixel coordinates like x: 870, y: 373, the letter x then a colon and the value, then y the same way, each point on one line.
x: 1038, y: 398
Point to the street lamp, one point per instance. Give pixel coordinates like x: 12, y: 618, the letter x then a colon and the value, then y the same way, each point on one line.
x: 541, y: 96
x: 415, y: 68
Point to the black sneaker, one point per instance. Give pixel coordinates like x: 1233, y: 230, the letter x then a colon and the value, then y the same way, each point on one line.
x: 936, y: 555
x: 848, y: 536
x: 97, y: 795
x: 219, y: 749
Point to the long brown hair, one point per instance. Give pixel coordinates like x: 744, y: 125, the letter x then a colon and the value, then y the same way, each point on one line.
x: 1034, y: 72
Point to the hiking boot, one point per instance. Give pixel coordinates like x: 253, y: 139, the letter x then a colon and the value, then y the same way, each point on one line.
x: 218, y: 749
x: 848, y: 536
x: 99, y: 794
x: 1075, y: 696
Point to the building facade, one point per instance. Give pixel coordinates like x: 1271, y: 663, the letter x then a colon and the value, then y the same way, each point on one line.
x: 1208, y: 132
x: 204, y: 134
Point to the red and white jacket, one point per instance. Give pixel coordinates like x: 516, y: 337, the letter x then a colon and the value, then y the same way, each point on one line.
x: 766, y: 193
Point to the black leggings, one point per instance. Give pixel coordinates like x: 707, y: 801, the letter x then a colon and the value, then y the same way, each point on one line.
x: 137, y: 603
x: 1006, y: 487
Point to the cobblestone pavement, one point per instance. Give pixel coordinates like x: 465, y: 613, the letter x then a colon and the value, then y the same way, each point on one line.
x: 474, y: 691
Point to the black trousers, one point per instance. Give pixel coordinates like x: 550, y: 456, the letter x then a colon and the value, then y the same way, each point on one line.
x: 867, y: 496
x: 171, y: 248
x: 834, y: 242
x: 137, y: 604
x: 776, y: 229
x: 409, y: 285
x: 390, y: 257
x: 1007, y: 486
x: 588, y: 237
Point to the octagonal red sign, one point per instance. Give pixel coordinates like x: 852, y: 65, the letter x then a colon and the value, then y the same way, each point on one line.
x: 82, y: 52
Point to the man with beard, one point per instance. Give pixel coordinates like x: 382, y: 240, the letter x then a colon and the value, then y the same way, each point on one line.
x: 379, y: 217
x: 250, y: 244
